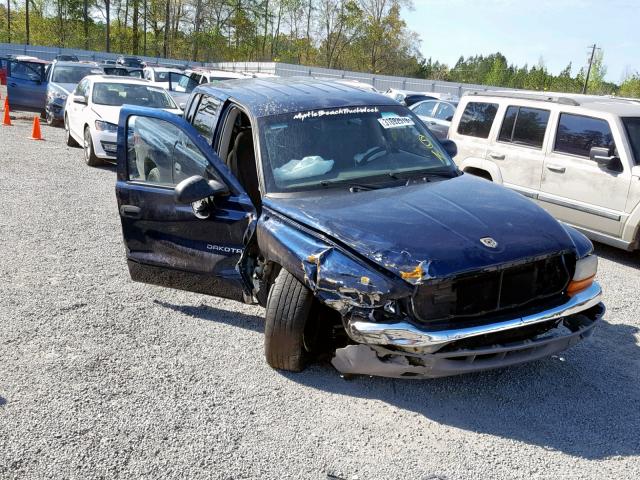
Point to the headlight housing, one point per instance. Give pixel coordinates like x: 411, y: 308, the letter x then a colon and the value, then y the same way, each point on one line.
x: 584, y: 275
x: 103, y: 126
x: 54, y: 93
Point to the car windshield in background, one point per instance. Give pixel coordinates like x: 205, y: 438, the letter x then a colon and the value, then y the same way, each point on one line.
x: 72, y: 73
x: 632, y: 125
x: 118, y: 94
x: 372, y: 145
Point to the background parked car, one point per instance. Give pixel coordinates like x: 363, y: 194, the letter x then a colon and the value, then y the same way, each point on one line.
x: 66, y: 58
x: 160, y: 76
x: 62, y: 79
x: 134, y: 62
x: 91, y: 113
x: 408, y: 98
x: 578, y: 156
x: 436, y: 115
x: 4, y: 61
x: 120, y: 71
x: 26, y: 84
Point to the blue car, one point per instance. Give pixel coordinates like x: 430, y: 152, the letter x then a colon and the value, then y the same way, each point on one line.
x: 337, y: 210
x: 62, y: 79
x: 27, y: 84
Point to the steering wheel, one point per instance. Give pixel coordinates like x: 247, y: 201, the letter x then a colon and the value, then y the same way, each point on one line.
x: 366, y: 158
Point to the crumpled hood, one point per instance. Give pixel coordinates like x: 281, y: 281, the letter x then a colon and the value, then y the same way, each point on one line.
x: 436, y: 225
x: 111, y: 114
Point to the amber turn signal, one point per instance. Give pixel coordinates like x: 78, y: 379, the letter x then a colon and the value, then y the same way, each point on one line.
x: 576, y: 286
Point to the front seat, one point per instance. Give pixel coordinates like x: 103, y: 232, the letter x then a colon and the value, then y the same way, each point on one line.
x: 242, y: 163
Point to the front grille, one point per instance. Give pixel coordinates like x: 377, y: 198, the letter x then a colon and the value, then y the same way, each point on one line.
x: 478, y: 294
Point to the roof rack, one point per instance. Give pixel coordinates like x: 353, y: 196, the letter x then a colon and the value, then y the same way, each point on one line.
x: 527, y: 96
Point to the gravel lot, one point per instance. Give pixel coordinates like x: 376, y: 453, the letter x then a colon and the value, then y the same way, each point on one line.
x: 101, y: 377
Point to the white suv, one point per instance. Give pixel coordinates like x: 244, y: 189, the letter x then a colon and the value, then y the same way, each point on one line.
x: 578, y: 156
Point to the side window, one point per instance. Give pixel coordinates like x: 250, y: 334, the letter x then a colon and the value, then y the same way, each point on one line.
x: 27, y: 71
x: 83, y: 88
x: 425, y: 109
x: 206, y: 117
x: 524, y: 126
x: 577, y: 134
x: 158, y: 152
x: 445, y: 111
x: 477, y: 119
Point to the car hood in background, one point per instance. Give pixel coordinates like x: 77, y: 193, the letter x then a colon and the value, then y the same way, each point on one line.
x: 67, y: 87
x: 111, y: 114
x: 434, y: 228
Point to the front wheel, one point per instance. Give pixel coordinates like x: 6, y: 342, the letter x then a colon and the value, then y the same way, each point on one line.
x: 288, y: 311
x: 71, y: 142
x: 89, y: 155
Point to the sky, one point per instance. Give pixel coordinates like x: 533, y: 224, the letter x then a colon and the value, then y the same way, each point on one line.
x: 559, y: 31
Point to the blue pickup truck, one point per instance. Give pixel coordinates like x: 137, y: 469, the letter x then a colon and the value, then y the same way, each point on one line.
x: 339, y: 212
x: 27, y: 84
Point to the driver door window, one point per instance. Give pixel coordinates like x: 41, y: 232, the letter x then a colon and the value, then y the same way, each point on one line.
x: 158, y: 152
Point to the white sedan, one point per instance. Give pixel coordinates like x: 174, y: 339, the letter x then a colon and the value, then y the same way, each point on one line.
x: 92, y: 111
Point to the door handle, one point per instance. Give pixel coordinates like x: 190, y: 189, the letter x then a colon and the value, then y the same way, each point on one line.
x: 556, y: 168
x: 13, y: 85
x: 130, y: 211
x: 497, y: 156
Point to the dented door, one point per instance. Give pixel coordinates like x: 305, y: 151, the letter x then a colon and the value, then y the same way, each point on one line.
x: 168, y: 243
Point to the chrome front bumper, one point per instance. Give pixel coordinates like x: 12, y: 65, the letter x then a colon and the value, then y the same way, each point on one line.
x: 406, y: 336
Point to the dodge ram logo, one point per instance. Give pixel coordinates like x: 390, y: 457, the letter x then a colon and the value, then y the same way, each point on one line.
x: 489, y: 242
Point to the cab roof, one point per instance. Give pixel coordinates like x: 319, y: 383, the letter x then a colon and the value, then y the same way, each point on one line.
x: 274, y: 96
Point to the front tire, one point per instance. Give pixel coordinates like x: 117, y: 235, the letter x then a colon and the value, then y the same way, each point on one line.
x: 89, y: 155
x: 71, y: 142
x: 288, y: 310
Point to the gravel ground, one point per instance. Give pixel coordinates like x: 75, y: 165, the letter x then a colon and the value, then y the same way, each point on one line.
x: 101, y: 377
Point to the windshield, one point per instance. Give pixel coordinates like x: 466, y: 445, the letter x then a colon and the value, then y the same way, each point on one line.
x: 117, y: 94
x: 632, y: 125
x: 343, y: 146
x: 72, y: 73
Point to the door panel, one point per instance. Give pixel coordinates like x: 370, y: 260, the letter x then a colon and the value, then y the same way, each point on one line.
x: 518, y: 149
x: 574, y: 188
x: 26, y: 86
x: 167, y: 244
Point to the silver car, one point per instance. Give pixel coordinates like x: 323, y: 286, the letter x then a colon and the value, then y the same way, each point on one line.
x: 436, y: 115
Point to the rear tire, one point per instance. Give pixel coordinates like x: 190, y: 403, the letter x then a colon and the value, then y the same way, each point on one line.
x: 89, y: 155
x: 154, y: 175
x: 288, y: 309
x: 71, y: 142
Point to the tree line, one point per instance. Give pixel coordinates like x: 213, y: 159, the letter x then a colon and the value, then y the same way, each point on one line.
x: 360, y: 35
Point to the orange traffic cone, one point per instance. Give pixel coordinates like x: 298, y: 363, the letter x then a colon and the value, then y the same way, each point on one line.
x: 35, y: 133
x: 6, y: 119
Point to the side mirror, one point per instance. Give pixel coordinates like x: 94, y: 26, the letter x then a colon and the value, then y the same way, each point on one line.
x: 182, y: 105
x: 450, y: 147
x: 81, y: 99
x: 196, y: 188
x: 604, y: 159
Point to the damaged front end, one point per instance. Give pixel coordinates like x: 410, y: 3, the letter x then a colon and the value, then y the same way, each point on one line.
x: 407, y: 323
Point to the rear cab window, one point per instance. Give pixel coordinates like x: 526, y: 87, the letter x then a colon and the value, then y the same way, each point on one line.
x: 477, y: 119
x: 578, y: 134
x: 524, y: 126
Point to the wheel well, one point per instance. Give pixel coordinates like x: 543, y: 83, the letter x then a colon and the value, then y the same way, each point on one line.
x: 478, y: 172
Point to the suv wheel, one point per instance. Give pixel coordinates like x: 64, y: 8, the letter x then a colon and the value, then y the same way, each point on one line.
x: 71, y: 142
x: 288, y: 311
x: 49, y: 118
x: 89, y: 155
